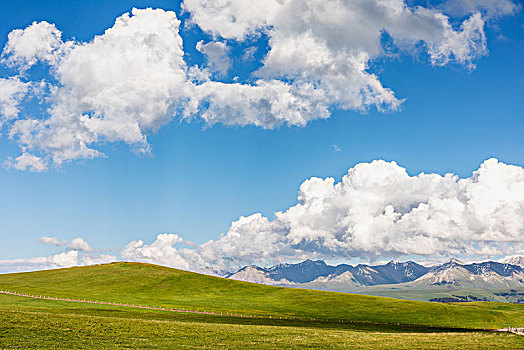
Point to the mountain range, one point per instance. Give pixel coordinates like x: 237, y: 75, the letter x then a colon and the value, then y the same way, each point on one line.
x: 453, y: 274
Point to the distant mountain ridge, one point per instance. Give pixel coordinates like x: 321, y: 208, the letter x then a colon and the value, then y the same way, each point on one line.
x: 310, y: 271
x: 453, y: 273
x: 484, y: 275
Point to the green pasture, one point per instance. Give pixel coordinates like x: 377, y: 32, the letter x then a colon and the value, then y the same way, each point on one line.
x: 311, y: 319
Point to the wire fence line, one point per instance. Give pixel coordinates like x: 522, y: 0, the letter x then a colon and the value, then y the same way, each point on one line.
x: 519, y: 331
x: 121, y: 304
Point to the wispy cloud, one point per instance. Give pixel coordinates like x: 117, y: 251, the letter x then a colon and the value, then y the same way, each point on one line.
x: 489, y: 8
x: 52, y: 241
x: 77, y: 252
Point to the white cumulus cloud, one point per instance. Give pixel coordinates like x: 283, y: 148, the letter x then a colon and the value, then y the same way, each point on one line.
x: 133, y: 79
x: 376, y: 211
x: 27, y: 161
x: 38, y: 42
x: 324, y: 47
x: 114, y: 88
x: 78, y: 243
x: 12, y: 91
x: 163, y: 251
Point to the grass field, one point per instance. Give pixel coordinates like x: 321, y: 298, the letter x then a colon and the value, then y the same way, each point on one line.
x: 368, y: 322
x: 500, y: 295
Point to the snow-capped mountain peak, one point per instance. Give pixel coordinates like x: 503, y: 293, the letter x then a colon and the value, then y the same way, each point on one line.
x: 454, y: 261
x: 453, y: 273
x: 517, y: 260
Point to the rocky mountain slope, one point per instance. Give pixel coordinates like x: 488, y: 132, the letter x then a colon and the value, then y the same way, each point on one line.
x: 513, y: 260
x: 484, y: 275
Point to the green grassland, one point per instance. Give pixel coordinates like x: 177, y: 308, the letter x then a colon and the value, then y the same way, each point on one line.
x: 499, y: 295
x: 367, y: 322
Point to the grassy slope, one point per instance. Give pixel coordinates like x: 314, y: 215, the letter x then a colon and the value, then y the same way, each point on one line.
x: 426, y: 294
x: 154, y: 285
x: 42, y: 324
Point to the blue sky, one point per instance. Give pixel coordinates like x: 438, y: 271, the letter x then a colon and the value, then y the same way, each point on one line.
x: 199, y: 178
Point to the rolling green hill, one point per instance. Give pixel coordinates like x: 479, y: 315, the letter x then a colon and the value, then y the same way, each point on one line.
x: 145, y: 284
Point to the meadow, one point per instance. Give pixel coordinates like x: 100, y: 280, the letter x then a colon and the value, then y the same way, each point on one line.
x: 285, y: 318
x: 501, y: 295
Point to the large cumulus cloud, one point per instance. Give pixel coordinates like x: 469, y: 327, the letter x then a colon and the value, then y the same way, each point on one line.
x: 134, y: 78
x: 376, y: 211
x: 114, y: 88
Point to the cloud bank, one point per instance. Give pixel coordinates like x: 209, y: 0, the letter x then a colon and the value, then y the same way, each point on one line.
x: 135, y: 78
x: 65, y: 259
x: 77, y: 252
x: 376, y: 211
